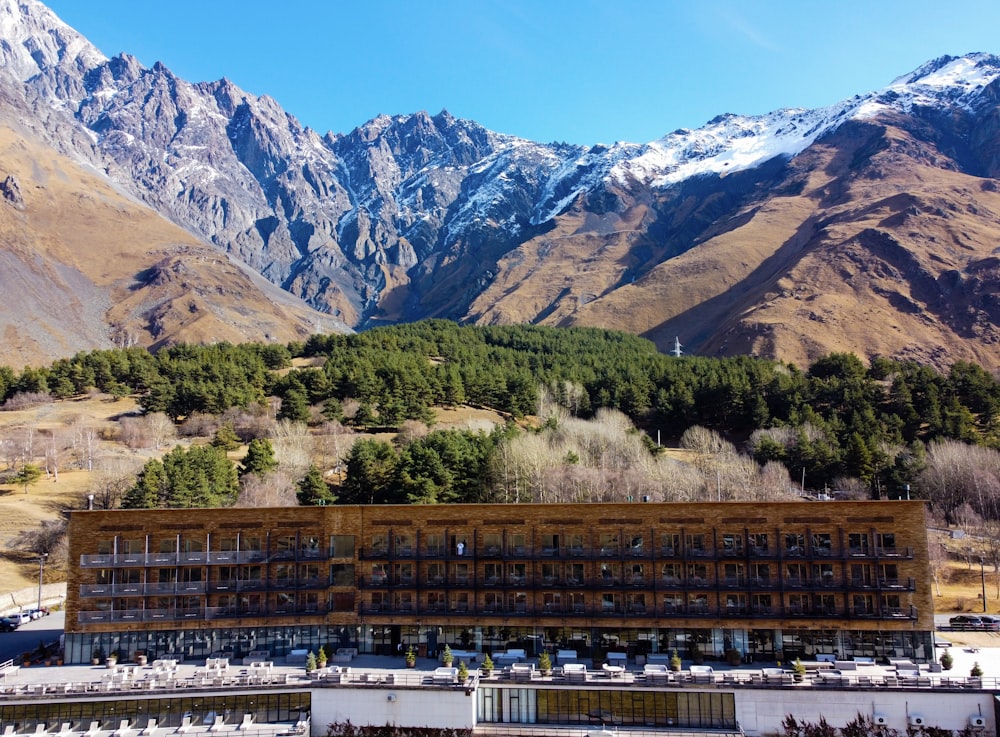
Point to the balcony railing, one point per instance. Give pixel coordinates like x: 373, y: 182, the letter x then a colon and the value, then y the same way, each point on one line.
x: 158, y: 560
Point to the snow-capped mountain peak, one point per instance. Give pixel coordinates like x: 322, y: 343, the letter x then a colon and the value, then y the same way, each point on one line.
x: 34, y: 39
x: 730, y: 143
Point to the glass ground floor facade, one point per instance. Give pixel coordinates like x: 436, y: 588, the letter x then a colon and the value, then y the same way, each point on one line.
x: 755, y: 644
x: 169, y: 713
x: 598, y: 707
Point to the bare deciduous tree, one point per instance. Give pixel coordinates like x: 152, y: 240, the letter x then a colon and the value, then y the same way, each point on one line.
x: 276, y: 489
x: 293, y: 447
x: 153, y: 431
x: 113, y: 476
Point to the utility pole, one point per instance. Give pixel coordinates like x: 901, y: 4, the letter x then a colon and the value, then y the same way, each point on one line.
x: 982, y: 574
x: 41, y: 571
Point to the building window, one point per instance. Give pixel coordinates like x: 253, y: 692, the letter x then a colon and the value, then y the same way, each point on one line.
x: 795, y: 544
x: 761, y: 574
x: 404, y: 545
x: 697, y: 574
x: 379, y: 575
x: 608, y: 544
x: 695, y: 544
x: 673, y: 604
x: 732, y: 544
x: 861, y: 575
x: 637, y: 574
x: 887, y: 543
x: 798, y: 604
x: 697, y: 604
x: 637, y: 545
x: 733, y: 574
x: 404, y: 574
x: 434, y: 544
x: 857, y: 543
x: 610, y: 574
x: 670, y: 544
x: 635, y: 603
x: 550, y: 543
x: 611, y: 603
x: 435, y: 574
x: 491, y: 543
x: 550, y: 573
x: 736, y: 603
x: 762, y: 604
x: 822, y: 544
x: 492, y: 602
x: 492, y: 573
x: 435, y: 601
x: 864, y: 605
x: 552, y: 602
x: 342, y: 546
x: 826, y: 604
x: 517, y: 544
x: 671, y: 574
x: 517, y: 574
x: 379, y: 545
x: 795, y: 574
x: 404, y: 601
x: 759, y: 543
x: 342, y: 574
x: 460, y: 573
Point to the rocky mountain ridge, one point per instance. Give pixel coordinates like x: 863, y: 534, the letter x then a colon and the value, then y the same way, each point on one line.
x: 416, y: 215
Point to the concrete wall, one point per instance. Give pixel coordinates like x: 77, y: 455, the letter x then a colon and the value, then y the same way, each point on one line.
x: 760, y: 711
x: 416, y: 707
x: 53, y: 594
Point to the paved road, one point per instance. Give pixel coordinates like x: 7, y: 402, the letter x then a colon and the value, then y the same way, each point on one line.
x: 27, y: 636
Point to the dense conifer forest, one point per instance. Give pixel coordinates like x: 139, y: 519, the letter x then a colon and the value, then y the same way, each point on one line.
x: 834, y: 420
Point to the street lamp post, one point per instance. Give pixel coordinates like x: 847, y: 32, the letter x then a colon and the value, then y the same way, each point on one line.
x: 982, y: 574
x: 41, y: 571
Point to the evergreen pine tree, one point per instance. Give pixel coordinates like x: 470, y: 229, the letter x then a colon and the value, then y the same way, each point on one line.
x: 313, y: 490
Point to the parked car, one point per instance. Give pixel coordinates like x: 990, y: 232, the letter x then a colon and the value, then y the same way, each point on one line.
x: 966, y: 622
x: 17, y: 619
x: 6, y: 626
x: 990, y: 622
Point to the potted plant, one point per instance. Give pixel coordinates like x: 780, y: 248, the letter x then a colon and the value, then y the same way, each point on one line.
x: 112, y: 660
x: 141, y: 658
x: 977, y: 671
x: 947, y: 661
x: 311, y: 662
x: 545, y: 664
x: 97, y: 657
x: 321, y: 657
x: 446, y: 657
x: 675, y: 661
x: 411, y: 657
x: 733, y: 656
x: 463, y: 671
x: 798, y: 670
x: 487, y: 666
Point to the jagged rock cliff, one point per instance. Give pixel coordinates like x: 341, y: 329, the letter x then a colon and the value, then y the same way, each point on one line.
x: 743, y: 235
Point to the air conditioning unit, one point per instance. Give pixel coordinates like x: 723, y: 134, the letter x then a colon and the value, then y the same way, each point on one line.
x: 977, y: 721
x: 917, y: 721
x: 880, y: 720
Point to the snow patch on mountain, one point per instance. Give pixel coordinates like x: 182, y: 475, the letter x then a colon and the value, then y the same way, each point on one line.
x: 732, y: 142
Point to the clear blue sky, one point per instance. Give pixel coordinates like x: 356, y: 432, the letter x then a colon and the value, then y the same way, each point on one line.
x: 581, y: 71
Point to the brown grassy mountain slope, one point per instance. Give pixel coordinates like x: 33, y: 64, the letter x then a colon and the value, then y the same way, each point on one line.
x: 83, y: 267
x: 870, y: 241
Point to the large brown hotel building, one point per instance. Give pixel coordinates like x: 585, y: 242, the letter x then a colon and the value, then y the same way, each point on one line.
x: 773, y: 581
